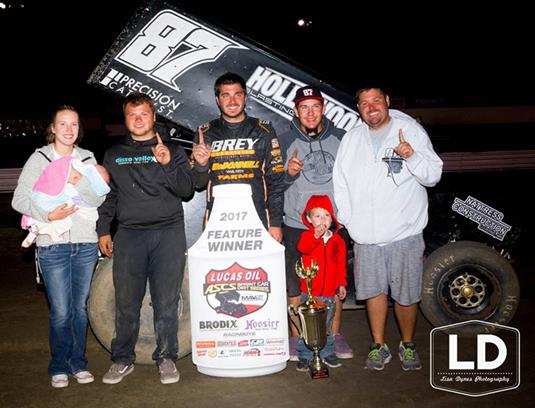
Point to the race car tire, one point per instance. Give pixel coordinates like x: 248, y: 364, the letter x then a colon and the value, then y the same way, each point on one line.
x: 101, y: 311
x: 468, y: 280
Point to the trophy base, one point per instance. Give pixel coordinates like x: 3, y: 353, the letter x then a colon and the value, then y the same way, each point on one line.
x: 318, y: 373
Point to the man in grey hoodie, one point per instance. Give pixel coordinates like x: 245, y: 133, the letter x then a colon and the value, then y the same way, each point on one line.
x: 310, y: 146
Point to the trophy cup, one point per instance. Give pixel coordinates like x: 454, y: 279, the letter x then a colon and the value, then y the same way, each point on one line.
x: 313, y: 317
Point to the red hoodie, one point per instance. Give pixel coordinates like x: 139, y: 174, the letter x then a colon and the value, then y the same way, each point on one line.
x: 331, y: 256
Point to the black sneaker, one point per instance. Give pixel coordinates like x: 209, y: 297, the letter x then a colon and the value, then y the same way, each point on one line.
x: 332, y: 361
x: 302, y: 365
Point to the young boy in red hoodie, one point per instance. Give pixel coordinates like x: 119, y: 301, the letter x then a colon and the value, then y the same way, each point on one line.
x: 323, y: 244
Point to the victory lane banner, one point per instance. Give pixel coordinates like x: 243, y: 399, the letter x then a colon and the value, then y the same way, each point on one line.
x: 175, y: 58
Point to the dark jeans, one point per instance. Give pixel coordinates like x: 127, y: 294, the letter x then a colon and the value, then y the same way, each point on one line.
x: 159, y: 256
x: 67, y: 270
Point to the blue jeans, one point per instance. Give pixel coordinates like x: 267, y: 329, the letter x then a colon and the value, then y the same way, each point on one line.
x: 67, y: 270
x: 302, y: 350
x: 159, y: 257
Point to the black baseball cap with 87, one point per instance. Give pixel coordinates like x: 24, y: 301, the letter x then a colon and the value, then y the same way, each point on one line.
x: 307, y: 92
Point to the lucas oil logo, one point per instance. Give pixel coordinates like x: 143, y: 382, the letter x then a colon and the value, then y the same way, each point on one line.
x: 171, y: 44
x: 237, y: 291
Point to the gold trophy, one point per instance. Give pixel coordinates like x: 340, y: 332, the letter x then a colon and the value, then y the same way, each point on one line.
x: 313, y: 317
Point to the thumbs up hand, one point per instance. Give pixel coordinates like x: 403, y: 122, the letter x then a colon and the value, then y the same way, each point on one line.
x: 201, y: 151
x: 404, y: 148
x: 161, y: 152
x: 294, y: 164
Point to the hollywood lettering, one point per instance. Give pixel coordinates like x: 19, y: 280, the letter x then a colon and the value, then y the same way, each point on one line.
x: 236, y: 291
x: 276, y: 91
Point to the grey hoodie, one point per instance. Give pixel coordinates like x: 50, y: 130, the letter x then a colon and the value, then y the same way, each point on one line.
x: 318, y: 154
x: 82, y: 230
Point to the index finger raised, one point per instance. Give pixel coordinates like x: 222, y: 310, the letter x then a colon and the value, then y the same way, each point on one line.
x: 401, y: 137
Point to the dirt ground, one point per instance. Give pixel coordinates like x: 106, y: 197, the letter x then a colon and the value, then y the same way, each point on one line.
x: 24, y: 357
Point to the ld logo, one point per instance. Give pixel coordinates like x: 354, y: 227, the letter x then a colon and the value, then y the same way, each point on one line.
x: 482, y: 363
x: 466, y: 360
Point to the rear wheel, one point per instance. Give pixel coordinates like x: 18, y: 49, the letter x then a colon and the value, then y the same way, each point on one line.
x: 101, y: 311
x: 468, y: 281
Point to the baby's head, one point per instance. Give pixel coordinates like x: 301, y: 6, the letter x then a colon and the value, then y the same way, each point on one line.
x: 318, y: 216
x: 103, y: 173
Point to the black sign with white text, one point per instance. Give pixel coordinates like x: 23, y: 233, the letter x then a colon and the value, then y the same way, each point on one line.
x: 175, y: 58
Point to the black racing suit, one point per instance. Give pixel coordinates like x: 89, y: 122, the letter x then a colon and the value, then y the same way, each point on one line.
x: 246, y: 152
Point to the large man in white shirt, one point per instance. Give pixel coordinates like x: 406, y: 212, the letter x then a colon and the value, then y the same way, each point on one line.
x: 380, y: 176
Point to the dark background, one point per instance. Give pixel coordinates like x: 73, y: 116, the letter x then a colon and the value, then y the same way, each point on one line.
x: 439, y: 54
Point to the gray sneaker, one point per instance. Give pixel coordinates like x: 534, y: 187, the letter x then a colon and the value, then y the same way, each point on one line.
x: 378, y: 356
x: 410, y: 360
x: 117, y: 372
x: 332, y: 361
x: 168, y: 372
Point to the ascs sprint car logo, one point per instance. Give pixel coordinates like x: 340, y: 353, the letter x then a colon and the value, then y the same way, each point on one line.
x: 475, y: 358
x: 237, y: 291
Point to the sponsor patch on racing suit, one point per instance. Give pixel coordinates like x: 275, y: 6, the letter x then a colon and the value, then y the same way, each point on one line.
x: 246, y: 152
